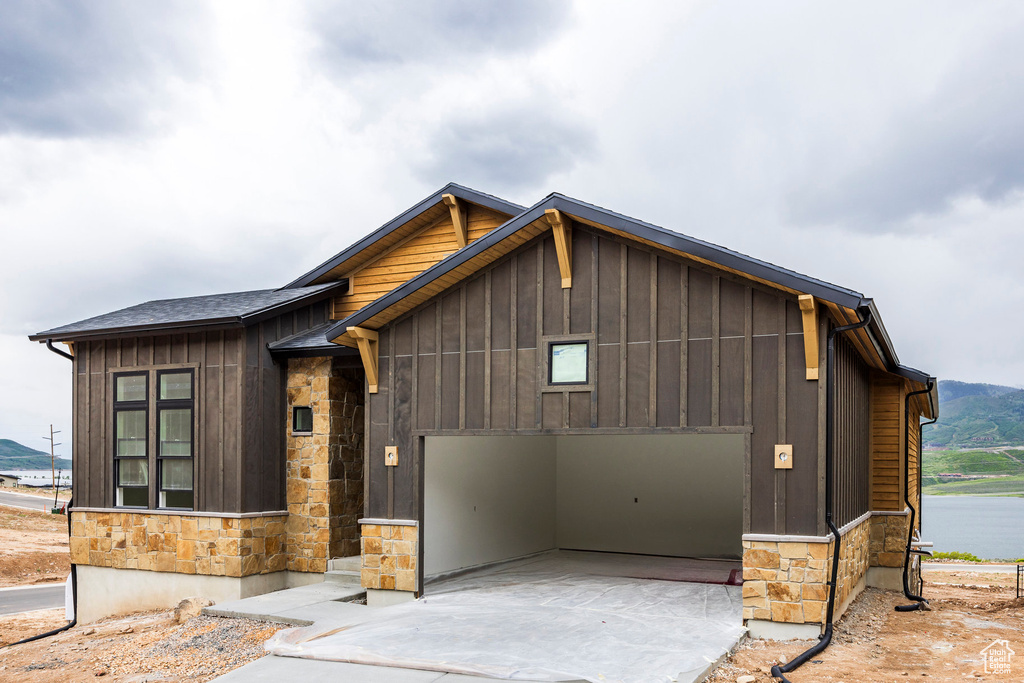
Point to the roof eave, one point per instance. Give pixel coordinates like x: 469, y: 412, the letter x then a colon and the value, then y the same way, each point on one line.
x: 216, y: 323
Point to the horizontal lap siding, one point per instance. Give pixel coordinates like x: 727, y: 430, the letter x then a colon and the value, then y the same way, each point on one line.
x: 410, y: 258
x: 674, y: 345
x: 239, y: 439
x: 886, y: 444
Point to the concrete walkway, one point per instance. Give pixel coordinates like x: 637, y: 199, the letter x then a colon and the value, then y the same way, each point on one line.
x: 306, y: 605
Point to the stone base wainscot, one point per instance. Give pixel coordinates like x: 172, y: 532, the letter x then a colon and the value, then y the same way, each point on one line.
x: 130, y: 561
x: 390, y: 560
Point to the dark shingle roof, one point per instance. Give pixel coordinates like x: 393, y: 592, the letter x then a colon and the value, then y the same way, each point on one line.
x: 234, y: 308
x: 311, y: 342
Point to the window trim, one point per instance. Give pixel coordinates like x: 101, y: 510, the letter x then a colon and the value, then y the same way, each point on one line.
x: 152, y: 458
x: 549, y: 341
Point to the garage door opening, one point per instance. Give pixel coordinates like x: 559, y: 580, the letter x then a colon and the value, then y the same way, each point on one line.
x: 493, y: 498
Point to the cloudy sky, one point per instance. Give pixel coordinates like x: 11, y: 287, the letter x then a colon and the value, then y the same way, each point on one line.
x: 155, y: 150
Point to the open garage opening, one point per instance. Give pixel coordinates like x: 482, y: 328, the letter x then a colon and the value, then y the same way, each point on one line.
x: 489, y: 499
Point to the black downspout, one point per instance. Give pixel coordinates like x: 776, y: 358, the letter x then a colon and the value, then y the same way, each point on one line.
x: 826, y: 637
x: 919, y: 602
x: 74, y: 597
x: 74, y: 569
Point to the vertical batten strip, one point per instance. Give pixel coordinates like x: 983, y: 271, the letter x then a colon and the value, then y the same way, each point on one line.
x: 652, y: 411
x: 623, y: 283
x: 716, y: 351
x: 513, y: 342
x: 684, y: 340
x: 487, y: 349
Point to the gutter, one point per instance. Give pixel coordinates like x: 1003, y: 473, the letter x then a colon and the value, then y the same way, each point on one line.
x: 866, y: 316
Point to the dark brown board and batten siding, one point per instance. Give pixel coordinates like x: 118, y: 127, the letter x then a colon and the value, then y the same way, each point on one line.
x: 239, y: 438
x: 676, y: 347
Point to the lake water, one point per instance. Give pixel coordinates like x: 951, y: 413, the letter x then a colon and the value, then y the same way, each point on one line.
x: 991, y: 527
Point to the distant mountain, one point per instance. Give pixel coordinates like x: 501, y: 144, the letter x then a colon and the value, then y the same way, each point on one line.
x: 950, y: 390
x: 977, y: 416
x: 14, y: 456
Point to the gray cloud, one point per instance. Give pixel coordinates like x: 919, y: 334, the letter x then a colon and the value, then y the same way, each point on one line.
x: 965, y: 138
x: 505, y: 151
x: 76, y: 68
x: 357, y: 34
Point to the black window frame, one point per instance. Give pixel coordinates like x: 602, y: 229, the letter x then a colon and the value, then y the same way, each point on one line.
x: 551, y: 357
x: 131, y: 406
x: 295, y: 420
x: 174, y: 404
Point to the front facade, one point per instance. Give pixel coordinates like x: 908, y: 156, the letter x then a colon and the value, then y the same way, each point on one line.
x: 475, y: 382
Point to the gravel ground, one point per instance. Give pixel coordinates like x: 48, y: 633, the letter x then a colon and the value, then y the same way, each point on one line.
x: 140, y: 648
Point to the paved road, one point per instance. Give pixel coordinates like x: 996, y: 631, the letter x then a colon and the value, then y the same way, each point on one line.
x: 24, y: 500
x: 953, y: 567
x: 14, y: 600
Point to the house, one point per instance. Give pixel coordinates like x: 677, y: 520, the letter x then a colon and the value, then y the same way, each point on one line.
x: 476, y: 381
x: 8, y: 480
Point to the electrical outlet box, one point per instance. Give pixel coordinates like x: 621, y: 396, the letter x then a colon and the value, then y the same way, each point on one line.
x: 784, y: 456
x: 391, y: 456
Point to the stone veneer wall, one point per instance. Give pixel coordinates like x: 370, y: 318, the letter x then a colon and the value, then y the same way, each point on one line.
x: 788, y: 582
x: 324, y: 470
x: 185, y: 544
x: 389, y: 556
x: 888, y: 540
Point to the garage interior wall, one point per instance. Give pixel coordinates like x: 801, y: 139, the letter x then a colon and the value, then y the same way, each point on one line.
x: 492, y: 498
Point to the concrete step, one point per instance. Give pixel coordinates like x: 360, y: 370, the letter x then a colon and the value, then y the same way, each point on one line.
x: 344, y: 578
x: 344, y: 570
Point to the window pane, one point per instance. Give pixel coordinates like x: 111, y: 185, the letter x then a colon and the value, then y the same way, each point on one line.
x: 176, y: 432
x: 132, y: 473
x: 176, y: 499
x: 569, y: 363
x: 135, y: 497
x: 175, y: 385
x: 176, y: 475
x: 303, y: 421
x: 131, y: 433
x: 131, y: 388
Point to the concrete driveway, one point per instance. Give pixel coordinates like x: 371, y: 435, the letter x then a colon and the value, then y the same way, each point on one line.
x: 557, y: 617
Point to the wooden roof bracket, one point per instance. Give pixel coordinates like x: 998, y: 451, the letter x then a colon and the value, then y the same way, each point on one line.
x: 367, y: 342
x: 809, y: 313
x: 458, y: 210
x: 561, y: 227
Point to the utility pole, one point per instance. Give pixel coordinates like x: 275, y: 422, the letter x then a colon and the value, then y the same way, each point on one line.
x: 53, y: 479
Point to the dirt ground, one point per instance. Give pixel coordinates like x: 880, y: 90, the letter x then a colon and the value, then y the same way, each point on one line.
x: 139, y: 648
x: 33, y: 547
x: 873, y: 642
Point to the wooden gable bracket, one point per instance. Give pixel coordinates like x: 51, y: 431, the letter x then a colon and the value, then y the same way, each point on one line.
x: 809, y: 313
x: 561, y: 227
x: 458, y: 210
x: 366, y: 340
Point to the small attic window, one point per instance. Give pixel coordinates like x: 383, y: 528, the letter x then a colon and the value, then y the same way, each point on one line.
x: 568, y: 363
x: 302, y: 420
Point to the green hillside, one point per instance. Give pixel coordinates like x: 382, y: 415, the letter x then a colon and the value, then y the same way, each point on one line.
x: 977, y: 416
x: 14, y: 456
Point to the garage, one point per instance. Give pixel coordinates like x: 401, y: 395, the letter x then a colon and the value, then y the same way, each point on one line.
x: 495, y: 498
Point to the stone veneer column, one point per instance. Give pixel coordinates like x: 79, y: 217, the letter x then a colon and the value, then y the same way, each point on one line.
x: 390, y: 550
x: 787, y: 582
x: 324, y: 469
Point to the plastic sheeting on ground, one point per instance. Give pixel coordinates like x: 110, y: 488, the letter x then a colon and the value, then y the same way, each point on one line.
x: 542, y: 620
